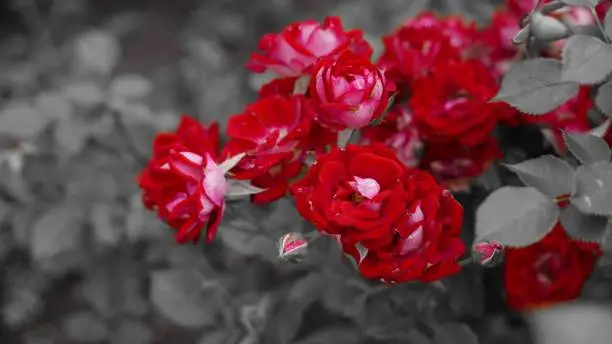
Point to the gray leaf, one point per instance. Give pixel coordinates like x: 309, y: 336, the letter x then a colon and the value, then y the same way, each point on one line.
x: 176, y: 293
x: 581, y: 2
x: 594, y: 189
x: 57, y: 231
x: 534, y: 86
x: 550, y: 175
x: 134, y: 332
x: 515, y: 216
x: 587, y: 148
x: 239, y: 188
x: 85, y: 327
x: 586, y: 60
x: 608, y: 23
x: 336, y: 335
x: 584, y: 227
x: 603, y: 99
x: 452, y: 333
x: 240, y: 236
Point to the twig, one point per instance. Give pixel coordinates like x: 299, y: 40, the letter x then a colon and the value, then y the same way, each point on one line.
x: 599, y: 24
x: 131, y: 145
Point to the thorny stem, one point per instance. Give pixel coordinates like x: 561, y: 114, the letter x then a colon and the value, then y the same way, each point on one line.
x: 599, y: 24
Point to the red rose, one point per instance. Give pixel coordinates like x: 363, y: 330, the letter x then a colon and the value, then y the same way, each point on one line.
x: 607, y: 136
x: 572, y: 117
x: 183, y: 182
x: 299, y: 46
x: 269, y: 131
x: 451, y: 104
x: 280, y: 86
x: 350, y: 92
x: 498, y: 50
x: 396, y: 222
x: 398, y: 132
x: 550, y: 271
x: 422, y: 41
x: 455, y: 166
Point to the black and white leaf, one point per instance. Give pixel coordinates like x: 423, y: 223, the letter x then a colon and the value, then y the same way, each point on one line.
x: 581, y: 2
x: 534, y: 86
x: 344, y: 137
x: 239, y: 188
x: 57, y: 231
x: 586, y: 60
x: 548, y: 174
x: 337, y: 335
x: 85, y: 327
x: 515, y: 216
x: 587, y: 148
x: 177, y: 294
x: 603, y: 99
x: 608, y: 23
x: 594, y: 189
x: 581, y: 226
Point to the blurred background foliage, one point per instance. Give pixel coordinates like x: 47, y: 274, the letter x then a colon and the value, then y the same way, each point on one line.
x: 84, y: 87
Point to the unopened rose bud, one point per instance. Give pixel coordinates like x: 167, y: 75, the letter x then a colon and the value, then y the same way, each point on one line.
x: 548, y: 29
x: 292, y: 247
x: 489, y: 254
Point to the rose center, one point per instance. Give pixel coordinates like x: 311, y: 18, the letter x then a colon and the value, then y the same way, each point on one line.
x: 365, y: 188
x: 547, y: 267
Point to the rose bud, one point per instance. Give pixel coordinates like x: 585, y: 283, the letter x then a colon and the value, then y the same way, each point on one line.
x: 292, y: 247
x: 548, y: 29
x: 350, y: 92
x: 489, y: 254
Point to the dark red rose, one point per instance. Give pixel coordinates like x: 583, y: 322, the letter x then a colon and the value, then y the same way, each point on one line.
x: 607, y: 136
x: 550, y: 271
x: 279, y: 86
x: 350, y: 92
x: 451, y: 104
x: 270, y: 132
x: 416, y: 46
x: 397, y: 222
x: 297, y: 48
x: 455, y: 166
x: 182, y: 181
x: 498, y: 51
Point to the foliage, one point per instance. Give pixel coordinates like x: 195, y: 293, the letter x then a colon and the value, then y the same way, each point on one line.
x: 76, y: 126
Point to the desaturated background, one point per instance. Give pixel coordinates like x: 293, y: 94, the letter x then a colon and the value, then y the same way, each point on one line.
x: 84, y: 86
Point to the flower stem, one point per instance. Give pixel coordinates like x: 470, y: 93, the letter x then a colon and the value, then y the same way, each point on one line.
x: 599, y: 24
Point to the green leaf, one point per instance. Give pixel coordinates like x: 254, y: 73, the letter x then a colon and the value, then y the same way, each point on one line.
x: 594, y: 189
x: 584, y: 227
x: 548, y: 174
x: 603, y: 99
x: 515, y: 216
x: 177, y: 294
x: 587, y: 148
x: 608, y: 23
x: 586, y: 60
x: 534, y: 86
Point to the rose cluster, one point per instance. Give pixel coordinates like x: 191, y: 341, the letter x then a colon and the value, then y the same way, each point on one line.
x: 370, y: 151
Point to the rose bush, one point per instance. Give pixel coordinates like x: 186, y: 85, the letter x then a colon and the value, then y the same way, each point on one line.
x: 396, y: 222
